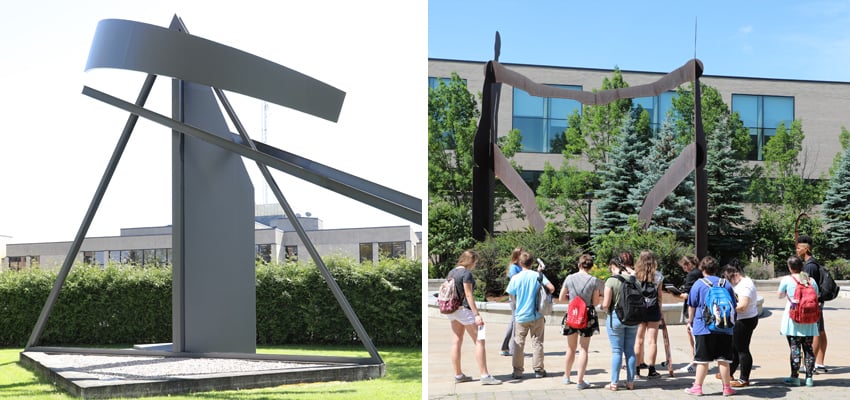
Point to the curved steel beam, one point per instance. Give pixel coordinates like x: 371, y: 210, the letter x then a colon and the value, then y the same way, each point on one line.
x: 155, y: 50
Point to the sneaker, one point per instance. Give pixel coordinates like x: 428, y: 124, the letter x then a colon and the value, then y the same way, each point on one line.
x: 791, y: 381
x: 567, y: 381
x: 540, y: 373
x: 820, y: 369
x: 738, y: 383
x: 490, y: 380
x: 810, y: 382
x: 582, y: 385
x: 727, y: 391
x: 516, y: 376
x: 462, y: 378
x: 688, y: 369
x: 506, y: 353
x: 652, y: 374
x: 694, y: 390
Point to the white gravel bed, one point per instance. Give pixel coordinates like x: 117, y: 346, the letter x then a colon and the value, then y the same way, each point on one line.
x: 158, y: 368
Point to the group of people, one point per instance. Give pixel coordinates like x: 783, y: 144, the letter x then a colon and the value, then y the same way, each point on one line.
x: 729, y: 347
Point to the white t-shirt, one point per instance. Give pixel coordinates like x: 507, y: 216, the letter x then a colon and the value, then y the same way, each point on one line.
x: 747, y: 288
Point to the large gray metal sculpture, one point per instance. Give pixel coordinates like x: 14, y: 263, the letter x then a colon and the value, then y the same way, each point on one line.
x: 213, y: 229
x: 489, y: 161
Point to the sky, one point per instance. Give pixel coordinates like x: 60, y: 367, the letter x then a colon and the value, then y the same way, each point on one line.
x: 55, y: 143
x: 805, y: 40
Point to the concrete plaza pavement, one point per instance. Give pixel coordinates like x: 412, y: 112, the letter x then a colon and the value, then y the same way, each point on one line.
x: 769, y: 348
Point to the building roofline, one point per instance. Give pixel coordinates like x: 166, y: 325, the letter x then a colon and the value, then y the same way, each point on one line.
x: 636, y: 71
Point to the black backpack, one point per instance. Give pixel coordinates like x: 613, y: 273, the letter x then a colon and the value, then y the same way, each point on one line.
x: 650, y: 294
x: 827, y: 286
x: 631, y: 307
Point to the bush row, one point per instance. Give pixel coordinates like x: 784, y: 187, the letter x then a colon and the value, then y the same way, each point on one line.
x: 130, y: 305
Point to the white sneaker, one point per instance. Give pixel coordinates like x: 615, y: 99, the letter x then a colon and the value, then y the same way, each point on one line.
x: 688, y: 369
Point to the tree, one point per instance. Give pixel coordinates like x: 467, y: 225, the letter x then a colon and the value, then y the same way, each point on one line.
x: 452, y: 122
x: 620, y: 174
x: 782, y: 180
x: 600, y: 124
x: 715, y: 114
x: 727, y: 238
x: 674, y: 214
x: 836, y: 209
x: 452, y: 118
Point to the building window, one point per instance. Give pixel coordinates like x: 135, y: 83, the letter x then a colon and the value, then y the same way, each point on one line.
x: 657, y: 107
x: 434, y: 82
x: 542, y: 119
x: 761, y: 115
x: 391, y: 249
x: 264, y: 252
x: 16, y: 263
x: 366, y: 252
x: 291, y: 253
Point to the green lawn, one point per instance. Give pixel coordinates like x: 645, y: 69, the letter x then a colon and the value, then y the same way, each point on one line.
x: 403, y: 379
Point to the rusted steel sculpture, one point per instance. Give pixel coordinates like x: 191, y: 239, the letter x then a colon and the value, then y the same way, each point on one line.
x: 490, y: 162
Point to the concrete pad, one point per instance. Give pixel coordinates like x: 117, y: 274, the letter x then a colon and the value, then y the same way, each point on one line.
x: 105, y: 376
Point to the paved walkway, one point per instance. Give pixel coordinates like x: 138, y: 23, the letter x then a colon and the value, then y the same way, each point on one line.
x: 770, y: 354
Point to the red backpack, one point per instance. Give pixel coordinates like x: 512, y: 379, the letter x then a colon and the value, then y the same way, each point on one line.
x: 577, y: 313
x: 804, y: 307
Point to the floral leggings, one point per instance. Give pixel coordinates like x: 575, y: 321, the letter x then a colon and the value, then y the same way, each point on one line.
x: 796, y: 343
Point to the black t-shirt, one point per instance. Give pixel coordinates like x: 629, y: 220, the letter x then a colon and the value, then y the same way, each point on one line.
x: 460, y: 276
x: 811, y: 267
x: 691, y: 278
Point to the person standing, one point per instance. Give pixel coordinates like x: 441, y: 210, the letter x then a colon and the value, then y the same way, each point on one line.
x: 811, y: 267
x: 647, y: 274
x: 708, y: 346
x: 746, y: 323
x: 689, y: 264
x: 800, y: 336
x: 523, y: 289
x: 586, y: 286
x: 621, y: 337
x: 467, y: 319
x: 513, y: 269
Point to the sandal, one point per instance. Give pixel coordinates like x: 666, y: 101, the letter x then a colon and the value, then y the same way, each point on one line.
x: 611, y: 386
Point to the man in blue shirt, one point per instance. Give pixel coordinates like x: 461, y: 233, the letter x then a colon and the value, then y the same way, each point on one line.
x: 523, y: 289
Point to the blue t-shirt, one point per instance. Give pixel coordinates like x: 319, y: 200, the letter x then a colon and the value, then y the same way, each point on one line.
x: 524, y: 286
x: 696, y: 299
x: 513, y: 270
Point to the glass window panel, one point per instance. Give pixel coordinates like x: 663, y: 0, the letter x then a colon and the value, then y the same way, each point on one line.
x: 778, y: 109
x: 150, y: 257
x: 365, y: 252
x: 526, y: 105
x: 665, y: 104
x: 291, y: 253
x: 747, y: 107
x: 533, y: 133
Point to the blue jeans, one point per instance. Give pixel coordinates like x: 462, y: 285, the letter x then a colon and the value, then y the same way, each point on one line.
x: 622, y: 338
x: 508, y: 342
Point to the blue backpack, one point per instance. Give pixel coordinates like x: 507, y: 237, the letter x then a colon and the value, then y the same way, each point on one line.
x: 718, y: 312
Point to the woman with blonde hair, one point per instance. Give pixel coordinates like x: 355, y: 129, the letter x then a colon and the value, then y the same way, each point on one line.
x: 467, y: 319
x: 646, y: 273
x: 513, y: 269
x: 586, y: 286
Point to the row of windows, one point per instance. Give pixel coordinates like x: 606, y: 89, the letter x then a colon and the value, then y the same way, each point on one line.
x: 385, y: 249
x: 540, y: 119
x: 20, y: 262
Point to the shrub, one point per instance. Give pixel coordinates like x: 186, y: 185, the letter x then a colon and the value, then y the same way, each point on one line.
x: 122, y: 305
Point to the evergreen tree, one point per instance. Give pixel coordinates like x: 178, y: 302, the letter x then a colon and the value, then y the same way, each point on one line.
x: 675, y: 214
x: 836, y: 209
x: 727, y: 190
x: 620, y: 174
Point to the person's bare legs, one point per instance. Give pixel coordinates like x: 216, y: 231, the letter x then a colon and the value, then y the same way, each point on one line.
x: 641, y: 331
x: 572, y: 343
x: 584, y: 343
x: 480, y: 351
x: 723, y: 367
x: 652, y: 350
x: 819, y: 346
x: 457, y: 342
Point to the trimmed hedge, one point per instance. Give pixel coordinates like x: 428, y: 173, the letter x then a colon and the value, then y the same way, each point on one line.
x: 120, y: 305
